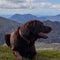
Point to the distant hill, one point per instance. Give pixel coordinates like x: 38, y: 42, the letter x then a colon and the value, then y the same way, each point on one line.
x: 52, y: 18
x: 26, y: 17
x: 6, y: 26
x: 53, y: 21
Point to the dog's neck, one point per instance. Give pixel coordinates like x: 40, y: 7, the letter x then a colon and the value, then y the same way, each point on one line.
x: 24, y: 37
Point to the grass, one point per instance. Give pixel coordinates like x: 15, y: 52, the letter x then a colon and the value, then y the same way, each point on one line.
x: 48, y: 55
x: 6, y: 54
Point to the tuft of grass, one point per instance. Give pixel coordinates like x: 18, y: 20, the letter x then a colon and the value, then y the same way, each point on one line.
x: 6, y: 54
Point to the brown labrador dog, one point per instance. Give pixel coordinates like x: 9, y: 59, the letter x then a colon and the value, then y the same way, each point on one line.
x: 22, y: 40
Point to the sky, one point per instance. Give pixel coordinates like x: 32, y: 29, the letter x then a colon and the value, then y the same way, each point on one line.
x: 35, y: 7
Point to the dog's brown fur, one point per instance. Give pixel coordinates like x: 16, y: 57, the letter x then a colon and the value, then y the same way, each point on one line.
x: 23, y: 38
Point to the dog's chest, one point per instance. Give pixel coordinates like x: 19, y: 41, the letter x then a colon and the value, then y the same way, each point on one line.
x: 26, y: 50
x: 22, y: 44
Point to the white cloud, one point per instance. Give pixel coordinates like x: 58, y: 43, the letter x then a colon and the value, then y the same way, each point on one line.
x: 41, y: 4
x: 47, y: 5
x: 16, y: 1
x: 55, y: 6
x: 15, y: 4
x: 27, y: 4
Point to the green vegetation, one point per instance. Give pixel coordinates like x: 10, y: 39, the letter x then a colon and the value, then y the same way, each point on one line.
x: 6, y: 54
x: 48, y: 55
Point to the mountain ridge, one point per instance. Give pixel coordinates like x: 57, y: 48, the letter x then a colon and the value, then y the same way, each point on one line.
x: 26, y: 17
x: 7, y: 26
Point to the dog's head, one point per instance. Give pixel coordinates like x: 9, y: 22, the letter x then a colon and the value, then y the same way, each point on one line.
x: 35, y: 29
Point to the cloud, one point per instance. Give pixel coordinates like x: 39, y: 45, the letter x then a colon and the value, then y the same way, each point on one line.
x: 46, y: 5
x: 6, y: 5
x: 15, y: 4
x: 55, y: 6
x: 16, y: 1
x: 41, y: 4
x: 27, y: 4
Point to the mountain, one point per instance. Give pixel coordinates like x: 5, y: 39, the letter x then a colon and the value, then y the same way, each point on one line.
x: 53, y: 18
x: 6, y: 26
x: 26, y: 17
x: 6, y: 16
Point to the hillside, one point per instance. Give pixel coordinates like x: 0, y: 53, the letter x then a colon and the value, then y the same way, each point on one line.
x: 6, y: 26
